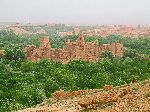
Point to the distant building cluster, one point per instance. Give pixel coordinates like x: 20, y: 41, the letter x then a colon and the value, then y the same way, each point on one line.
x: 105, y: 31
x: 79, y: 50
x: 63, y: 30
x: 125, y: 31
x: 70, y: 33
x: 63, y: 34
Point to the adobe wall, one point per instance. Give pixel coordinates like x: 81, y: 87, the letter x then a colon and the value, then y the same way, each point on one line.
x: 79, y: 50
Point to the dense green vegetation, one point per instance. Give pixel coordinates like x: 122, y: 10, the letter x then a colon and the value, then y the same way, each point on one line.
x: 138, y: 45
x: 25, y: 83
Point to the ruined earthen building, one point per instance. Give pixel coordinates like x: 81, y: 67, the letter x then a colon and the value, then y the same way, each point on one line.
x: 79, y: 50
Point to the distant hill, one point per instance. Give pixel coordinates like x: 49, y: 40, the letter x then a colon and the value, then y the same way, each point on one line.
x: 7, y: 23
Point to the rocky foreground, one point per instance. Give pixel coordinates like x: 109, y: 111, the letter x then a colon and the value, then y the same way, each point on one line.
x: 127, y: 98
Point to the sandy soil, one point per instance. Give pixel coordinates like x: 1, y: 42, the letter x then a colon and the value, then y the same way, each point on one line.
x: 128, y: 98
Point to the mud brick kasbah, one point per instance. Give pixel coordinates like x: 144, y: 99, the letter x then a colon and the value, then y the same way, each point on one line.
x: 79, y: 50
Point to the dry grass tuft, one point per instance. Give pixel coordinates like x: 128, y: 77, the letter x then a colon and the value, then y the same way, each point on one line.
x: 2, y: 53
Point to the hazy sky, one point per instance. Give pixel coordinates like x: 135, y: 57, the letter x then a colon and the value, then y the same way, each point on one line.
x: 76, y: 11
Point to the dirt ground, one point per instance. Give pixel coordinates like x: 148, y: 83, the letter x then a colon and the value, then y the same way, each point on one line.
x: 127, y: 98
